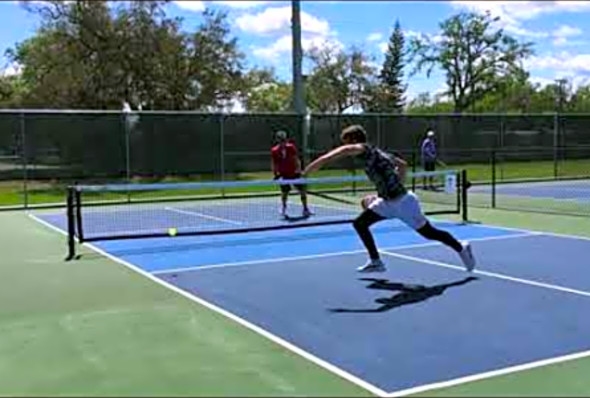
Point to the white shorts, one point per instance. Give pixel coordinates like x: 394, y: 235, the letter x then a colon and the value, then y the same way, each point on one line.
x: 405, y: 208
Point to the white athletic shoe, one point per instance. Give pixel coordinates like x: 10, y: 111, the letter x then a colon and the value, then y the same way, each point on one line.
x: 372, y: 266
x: 307, y: 213
x: 284, y: 213
x: 467, y: 256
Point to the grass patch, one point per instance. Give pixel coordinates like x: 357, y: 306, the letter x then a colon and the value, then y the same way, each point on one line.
x: 12, y: 193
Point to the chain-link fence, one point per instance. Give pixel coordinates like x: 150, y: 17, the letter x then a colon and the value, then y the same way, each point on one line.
x: 42, y: 151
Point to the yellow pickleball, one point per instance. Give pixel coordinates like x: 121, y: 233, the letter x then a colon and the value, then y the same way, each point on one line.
x: 172, y: 231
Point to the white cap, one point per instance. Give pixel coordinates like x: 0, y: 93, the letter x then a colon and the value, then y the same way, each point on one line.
x: 281, y: 135
x: 430, y: 133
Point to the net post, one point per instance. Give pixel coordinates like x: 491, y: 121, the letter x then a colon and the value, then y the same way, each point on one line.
x: 493, y: 178
x: 78, y: 209
x: 71, y: 224
x: 464, y: 186
x: 127, y: 132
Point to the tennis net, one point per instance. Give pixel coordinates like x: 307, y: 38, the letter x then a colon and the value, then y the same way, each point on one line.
x: 127, y: 211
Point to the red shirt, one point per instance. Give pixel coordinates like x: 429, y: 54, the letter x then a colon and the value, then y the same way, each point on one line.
x: 284, y: 157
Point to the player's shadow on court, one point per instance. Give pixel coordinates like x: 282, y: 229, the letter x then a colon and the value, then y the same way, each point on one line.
x: 408, y: 294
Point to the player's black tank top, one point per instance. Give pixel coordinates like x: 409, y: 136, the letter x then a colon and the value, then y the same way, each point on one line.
x: 380, y: 168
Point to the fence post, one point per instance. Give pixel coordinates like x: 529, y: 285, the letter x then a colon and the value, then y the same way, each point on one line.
x: 493, y: 178
x: 414, y: 169
x: 24, y: 161
x: 222, y: 150
x: 378, y: 130
x: 555, y: 143
x: 501, y: 146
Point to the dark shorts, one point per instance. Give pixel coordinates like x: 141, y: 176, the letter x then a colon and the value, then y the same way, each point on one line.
x: 286, y: 188
x: 429, y: 165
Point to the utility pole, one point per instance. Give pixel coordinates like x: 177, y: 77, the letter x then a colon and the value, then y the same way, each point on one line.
x: 298, y: 94
x: 298, y: 84
x: 560, y: 96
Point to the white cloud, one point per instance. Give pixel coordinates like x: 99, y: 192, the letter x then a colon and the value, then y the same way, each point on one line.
x: 419, y: 35
x: 353, y: 110
x: 272, y: 52
x: 191, y: 5
x: 541, y: 81
x: 520, y: 31
x: 283, y: 46
x: 512, y: 13
x: 563, y: 33
x: 567, y: 31
x: 574, y: 67
x: 198, y: 6
x: 412, y: 33
x: 375, y: 36
x: 242, y: 4
x: 278, y: 19
x: 29, y: 1
x: 11, y: 70
x: 575, y: 80
x: 233, y: 105
x: 376, y: 66
x: 383, y: 46
x: 441, y: 93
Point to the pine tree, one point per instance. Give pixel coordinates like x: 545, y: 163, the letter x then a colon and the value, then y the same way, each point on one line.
x: 392, y: 87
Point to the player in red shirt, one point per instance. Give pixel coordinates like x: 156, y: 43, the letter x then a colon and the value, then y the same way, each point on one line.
x: 286, y: 164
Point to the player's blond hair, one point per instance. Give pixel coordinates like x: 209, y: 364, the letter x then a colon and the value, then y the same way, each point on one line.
x: 355, y: 133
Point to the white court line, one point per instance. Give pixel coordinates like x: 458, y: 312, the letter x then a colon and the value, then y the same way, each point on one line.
x: 193, y: 297
x: 335, y: 254
x: 197, y: 214
x: 490, y: 274
x: 558, y: 235
x: 487, y: 375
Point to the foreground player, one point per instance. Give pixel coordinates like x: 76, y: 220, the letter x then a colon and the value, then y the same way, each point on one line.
x: 392, y: 199
x: 286, y: 165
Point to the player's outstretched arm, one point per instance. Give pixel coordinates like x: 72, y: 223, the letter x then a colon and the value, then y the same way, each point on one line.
x: 335, y: 154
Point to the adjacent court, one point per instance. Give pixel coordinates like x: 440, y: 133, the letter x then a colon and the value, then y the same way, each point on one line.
x: 577, y: 190
x: 424, y: 321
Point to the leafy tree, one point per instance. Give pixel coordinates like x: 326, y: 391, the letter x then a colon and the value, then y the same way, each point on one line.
x: 215, y: 62
x: 263, y: 92
x: 513, y: 94
x: 90, y: 55
x: 474, y: 56
x: 68, y: 62
x: 425, y: 103
x: 339, y: 79
x: 150, y: 56
x: 581, y: 100
x: 391, y: 94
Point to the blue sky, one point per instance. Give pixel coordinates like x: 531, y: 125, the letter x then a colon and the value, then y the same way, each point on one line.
x: 559, y: 29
